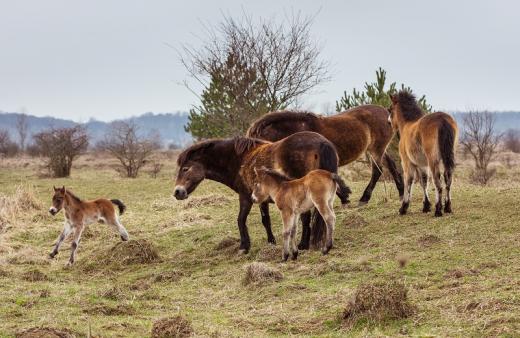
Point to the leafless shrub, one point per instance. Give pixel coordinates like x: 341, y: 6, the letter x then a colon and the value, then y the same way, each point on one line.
x: 481, y: 141
x: 512, y: 140
x: 156, y: 167
x: 7, y: 147
x: 22, y: 127
x: 61, y: 146
x: 132, y: 150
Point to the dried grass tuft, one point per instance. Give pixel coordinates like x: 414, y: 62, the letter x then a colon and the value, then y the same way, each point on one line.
x: 173, y: 327
x: 44, y: 332
x: 258, y: 273
x: 13, y: 206
x: 269, y: 253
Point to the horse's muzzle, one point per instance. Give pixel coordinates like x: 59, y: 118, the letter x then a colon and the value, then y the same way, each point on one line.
x: 180, y: 193
x: 53, y: 211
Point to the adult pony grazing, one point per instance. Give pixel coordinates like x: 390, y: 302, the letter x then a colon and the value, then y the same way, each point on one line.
x: 425, y: 142
x: 354, y: 132
x: 232, y: 163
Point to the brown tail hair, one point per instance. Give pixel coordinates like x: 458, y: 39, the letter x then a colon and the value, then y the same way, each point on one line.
x: 446, y: 145
x: 344, y: 190
x: 120, y: 205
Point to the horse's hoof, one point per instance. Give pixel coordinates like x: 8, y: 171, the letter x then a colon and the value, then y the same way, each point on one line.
x: 243, y: 251
x: 285, y: 257
x: 402, y: 211
x: 294, y: 255
x: 52, y: 255
x: 447, y: 209
x: 426, y: 208
x: 303, y: 246
x: 438, y: 213
x: 124, y: 239
x: 69, y: 265
x: 271, y: 241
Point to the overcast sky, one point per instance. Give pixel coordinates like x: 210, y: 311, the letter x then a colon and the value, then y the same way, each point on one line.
x: 110, y: 58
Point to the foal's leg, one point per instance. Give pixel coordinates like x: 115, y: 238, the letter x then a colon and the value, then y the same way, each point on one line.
x: 294, y: 248
x: 434, y: 167
x: 423, y: 179
x: 448, y: 176
x: 78, y: 230
x: 306, y: 231
x: 113, y: 220
x: 288, y: 223
x: 266, y: 221
x: 328, y: 215
x: 66, y: 231
x: 409, y: 173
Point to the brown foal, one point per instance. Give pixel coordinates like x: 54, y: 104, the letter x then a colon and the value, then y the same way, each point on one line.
x: 294, y: 197
x: 79, y: 214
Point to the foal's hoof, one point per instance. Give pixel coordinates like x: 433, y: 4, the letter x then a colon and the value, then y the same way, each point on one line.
x: 303, y: 246
x: 124, y: 238
x: 447, y: 209
x: 294, y: 255
x: 52, y: 255
x: 271, y: 241
x: 426, y: 207
x: 285, y: 257
x: 325, y: 250
x: 438, y: 213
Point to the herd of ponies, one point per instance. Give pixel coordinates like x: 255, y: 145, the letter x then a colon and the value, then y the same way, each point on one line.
x: 291, y: 159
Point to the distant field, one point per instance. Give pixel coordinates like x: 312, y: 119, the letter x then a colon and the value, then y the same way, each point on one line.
x: 462, y: 271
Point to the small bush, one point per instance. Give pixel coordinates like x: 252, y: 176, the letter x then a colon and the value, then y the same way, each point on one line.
x: 173, y: 327
x: 377, y: 302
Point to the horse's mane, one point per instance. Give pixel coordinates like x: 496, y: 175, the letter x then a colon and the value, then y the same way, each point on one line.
x: 71, y: 194
x: 279, y: 116
x: 243, y: 144
x: 186, y: 153
x: 277, y: 174
x: 409, y: 107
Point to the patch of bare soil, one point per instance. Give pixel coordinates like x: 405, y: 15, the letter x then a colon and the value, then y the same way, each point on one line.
x: 44, y: 332
x: 378, y: 302
x: 258, y: 273
x: 173, y: 327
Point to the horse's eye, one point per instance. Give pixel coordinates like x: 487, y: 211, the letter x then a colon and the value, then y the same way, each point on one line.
x: 185, y: 169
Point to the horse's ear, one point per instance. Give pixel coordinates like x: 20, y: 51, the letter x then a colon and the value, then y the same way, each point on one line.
x: 54, y: 187
x: 62, y: 189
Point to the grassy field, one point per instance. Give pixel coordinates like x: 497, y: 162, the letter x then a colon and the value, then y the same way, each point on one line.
x: 462, y: 271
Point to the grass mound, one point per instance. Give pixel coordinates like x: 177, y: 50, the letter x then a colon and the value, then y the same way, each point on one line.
x: 428, y: 240
x: 173, y: 327
x: 378, y: 302
x: 110, y: 310
x: 15, y: 205
x: 131, y: 252
x: 169, y: 276
x: 113, y: 293
x: 260, y: 273
x: 44, y: 332
x: 269, y: 253
x: 35, y: 276
x: 354, y: 220
x: 206, y: 200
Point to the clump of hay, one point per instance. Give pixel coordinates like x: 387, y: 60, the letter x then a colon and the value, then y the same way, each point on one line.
x: 354, y: 220
x: 12, y: 206
x: 35, y: 276
x: 260, y: 273
x: 131, y: 252
x: 44, y: 332
x: 173, y: 327
x: 27, y: 255
x: 378, y: 302
x: 428, y: 240
x: 269, y: 253
x: 206, y: 200
x: 228, y: 244
x: 169, y: 276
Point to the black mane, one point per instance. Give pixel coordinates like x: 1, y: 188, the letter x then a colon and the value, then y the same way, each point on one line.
x: 186, y: 153
x: 278, y: 116
x: 243, y: 144
x: 408, y: 105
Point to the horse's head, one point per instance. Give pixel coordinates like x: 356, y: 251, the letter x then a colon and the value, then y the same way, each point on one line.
x: 260, y: 193
x: 191, y: 169
x: 57, y: 200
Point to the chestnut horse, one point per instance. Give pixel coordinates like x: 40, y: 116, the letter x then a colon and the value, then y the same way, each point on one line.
x: 425, y: 142
x: 295, y: 196
x: 232, y: 162
x: 357, y: 131
x: 80, y: 213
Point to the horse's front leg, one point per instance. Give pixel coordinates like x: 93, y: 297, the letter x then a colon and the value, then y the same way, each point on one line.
x: 78, y: 230
x: 266, y: 221
x: 61, y: 238
x: 245, y: 208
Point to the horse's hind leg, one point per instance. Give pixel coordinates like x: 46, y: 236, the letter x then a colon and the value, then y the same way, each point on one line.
x: 306, y: 231
x: 409, y: 174
x: 423, y: 179
x: 294, y: 248
x: 266, y: 221
x: 66, y: 231
x: 288, y: 219
x: 398, y: 178
x: 438, y: 188
x: 376, y: 174
x: 326, y: 210
x: 116, y: 224
x: 448, y: 176
x: 78, y: 230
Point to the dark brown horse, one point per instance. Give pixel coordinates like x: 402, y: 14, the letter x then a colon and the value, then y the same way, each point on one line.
x: 425, y: 142
x: 357, y: 131
x: 232, y: 163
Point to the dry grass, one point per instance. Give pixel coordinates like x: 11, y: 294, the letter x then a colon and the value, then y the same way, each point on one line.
x: 44, y: 332
x: 174, y: 327
x: 14, y: 206
x: 261, y: 274
x: 378, y: 302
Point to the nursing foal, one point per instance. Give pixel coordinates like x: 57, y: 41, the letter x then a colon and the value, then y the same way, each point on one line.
x: 294, y: 197
x: 79, y: 214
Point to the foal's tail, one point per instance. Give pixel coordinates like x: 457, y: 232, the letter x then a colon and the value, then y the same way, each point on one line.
x: 120, y: 205
x: 343, y: 189
x: 447, y: 145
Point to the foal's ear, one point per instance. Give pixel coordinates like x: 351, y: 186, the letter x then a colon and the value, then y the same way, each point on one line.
x: 55, y: 188
x: 62, y: 189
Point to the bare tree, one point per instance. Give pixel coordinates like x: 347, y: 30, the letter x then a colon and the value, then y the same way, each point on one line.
x: 7, y: 146
x: 61, y: 146
x: 275, y: 64
x: 132, y: 150
x: 22, y: 127
x: 512, y: 140
x: 481, y: 141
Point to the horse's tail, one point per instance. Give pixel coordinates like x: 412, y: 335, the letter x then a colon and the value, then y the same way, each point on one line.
x: 328, y: 157
x: 343, y: 189
x: 447, y: 145
x: 120, y: 205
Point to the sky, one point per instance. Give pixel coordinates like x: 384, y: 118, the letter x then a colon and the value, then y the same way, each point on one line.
x: 108, y: 59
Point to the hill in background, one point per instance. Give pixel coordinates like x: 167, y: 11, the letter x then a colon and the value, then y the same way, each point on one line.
x: 170, y: 126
